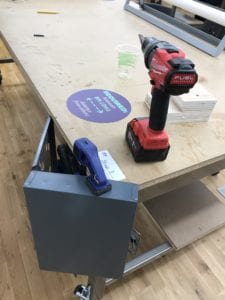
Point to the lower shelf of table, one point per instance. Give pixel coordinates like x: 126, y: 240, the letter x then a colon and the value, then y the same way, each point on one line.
x: 187, y: 214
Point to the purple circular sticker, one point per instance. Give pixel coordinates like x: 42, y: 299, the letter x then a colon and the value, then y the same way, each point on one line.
x: 101, y: 106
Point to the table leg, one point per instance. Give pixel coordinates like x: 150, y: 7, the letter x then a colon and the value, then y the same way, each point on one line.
x: 97, y: 287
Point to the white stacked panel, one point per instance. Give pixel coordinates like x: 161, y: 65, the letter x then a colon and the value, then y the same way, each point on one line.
x: 198, y: 99
x: 176, y: 115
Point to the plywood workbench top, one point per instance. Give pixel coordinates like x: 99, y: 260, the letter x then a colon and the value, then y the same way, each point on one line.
x: 79, y: 52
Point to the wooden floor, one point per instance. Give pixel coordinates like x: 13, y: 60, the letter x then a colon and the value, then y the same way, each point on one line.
x: 196, y: 272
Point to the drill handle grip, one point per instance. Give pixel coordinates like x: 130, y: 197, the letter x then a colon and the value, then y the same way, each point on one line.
x: 159, y: 109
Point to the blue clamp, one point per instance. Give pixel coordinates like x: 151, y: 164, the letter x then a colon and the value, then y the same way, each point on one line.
x: 86, y: 154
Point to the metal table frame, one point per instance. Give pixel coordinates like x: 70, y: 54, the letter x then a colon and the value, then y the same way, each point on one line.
x: 98, y: 284
x: 201, y: 40
x: 144, y: 259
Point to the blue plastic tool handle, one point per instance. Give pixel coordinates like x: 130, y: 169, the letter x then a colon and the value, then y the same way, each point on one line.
x: 87, y: 155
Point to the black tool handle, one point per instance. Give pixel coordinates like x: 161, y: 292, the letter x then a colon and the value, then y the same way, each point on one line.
x: 158, y: 109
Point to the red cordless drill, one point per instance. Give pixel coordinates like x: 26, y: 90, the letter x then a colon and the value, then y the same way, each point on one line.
x: 171, y: 74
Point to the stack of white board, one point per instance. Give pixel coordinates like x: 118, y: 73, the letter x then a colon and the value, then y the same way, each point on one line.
x: 198, y: 99
x: 196, y: 106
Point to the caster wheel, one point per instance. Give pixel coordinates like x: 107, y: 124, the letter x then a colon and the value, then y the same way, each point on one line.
x: 79, y: 289
x: 82, y: 292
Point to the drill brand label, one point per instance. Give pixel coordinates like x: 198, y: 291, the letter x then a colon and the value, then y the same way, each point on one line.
x: 185, y: 78
x: 158, y: 67
x: 100, y: 106
x: 158, y: 71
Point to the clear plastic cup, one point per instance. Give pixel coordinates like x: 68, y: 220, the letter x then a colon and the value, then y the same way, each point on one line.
x: 127, y: 60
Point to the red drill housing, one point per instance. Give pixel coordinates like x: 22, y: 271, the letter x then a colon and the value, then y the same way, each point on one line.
x: 171, y: 74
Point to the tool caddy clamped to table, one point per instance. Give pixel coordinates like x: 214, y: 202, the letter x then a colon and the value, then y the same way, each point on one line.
x: 75, y: 230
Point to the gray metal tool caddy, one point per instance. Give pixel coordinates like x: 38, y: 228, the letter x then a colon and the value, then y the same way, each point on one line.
x: 74, y: 230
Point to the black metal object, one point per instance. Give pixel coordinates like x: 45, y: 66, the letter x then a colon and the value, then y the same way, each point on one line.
x: 216, y: 173
x: 4, y: 61
x: 213, y: 29
x: 213, y: 2
x: 67, y: 163
x: 170, y: 11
